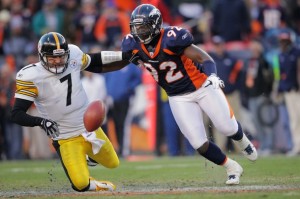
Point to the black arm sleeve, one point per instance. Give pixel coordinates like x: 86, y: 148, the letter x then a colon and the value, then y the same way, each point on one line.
x: 19, y: 115
x: 96, y: 63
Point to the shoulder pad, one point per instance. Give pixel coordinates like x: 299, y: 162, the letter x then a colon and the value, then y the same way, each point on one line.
x: 178, y: 36
x: 177, y: 39
x: 75, y: 51
x: 78, y: 58
x: 128, y: 43
x: 29, y: 72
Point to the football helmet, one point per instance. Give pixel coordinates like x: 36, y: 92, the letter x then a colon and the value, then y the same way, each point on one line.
x: 145, y: 23
x: 54, y: 52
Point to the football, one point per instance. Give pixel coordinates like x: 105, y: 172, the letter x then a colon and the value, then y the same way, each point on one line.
x: 94, y: 115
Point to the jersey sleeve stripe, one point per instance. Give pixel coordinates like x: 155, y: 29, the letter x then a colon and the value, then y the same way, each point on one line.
x: 85, y: 61
x: 27, y: 83
x: 26, y: 88
x: 24, y: 92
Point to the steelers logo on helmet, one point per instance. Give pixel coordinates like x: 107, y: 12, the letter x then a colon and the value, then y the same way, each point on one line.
x: 145, y: 23
x: 54, y: 52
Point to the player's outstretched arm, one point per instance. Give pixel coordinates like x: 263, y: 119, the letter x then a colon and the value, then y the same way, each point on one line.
x: 107, y: 61
x: 114, y: 66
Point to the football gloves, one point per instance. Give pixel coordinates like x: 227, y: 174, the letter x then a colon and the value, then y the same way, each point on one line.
x: 131, y: 57
x: 215, y: 81
x: 50, y: 127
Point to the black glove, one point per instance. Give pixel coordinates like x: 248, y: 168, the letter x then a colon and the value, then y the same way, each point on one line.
x: 50, y: 127
x: 131, y: 57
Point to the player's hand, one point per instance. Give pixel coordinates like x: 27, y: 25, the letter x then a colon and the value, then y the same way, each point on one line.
x: 215, y: 81
x: 50, y: 127
x: 131, y: 57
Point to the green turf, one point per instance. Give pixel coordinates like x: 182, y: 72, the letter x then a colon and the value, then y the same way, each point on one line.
x: 184, y: 177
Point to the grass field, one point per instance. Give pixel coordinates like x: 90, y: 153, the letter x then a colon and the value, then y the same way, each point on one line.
x: 183, y: 177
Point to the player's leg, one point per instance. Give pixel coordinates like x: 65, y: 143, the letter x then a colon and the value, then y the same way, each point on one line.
x: 107, y: 155
x: 72, y: 153
x: 219, y: 111
x: 189, y: 118
x: 72, y: 156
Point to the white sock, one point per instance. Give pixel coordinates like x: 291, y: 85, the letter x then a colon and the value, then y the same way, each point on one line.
x: 228, y: 162
x: 92, y: 185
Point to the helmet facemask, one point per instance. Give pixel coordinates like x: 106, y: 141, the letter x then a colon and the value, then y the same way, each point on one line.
x: 144, y: 32
x: 55, y: 64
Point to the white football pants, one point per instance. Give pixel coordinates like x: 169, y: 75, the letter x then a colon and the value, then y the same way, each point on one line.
x: 188, y: 112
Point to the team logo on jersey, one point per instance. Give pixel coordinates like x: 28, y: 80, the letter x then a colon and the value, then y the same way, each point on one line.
x: 73, y: 63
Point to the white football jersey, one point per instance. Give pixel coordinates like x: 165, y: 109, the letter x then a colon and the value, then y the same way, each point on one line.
x: 59, y: 97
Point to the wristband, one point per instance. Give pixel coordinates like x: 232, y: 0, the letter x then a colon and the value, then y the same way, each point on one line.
x: 209, y: 67
x: 111, y: 56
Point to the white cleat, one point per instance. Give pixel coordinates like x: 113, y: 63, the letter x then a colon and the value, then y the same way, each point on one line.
x: 103, y: 185
x: 234, y: 172
x: 247, y: 148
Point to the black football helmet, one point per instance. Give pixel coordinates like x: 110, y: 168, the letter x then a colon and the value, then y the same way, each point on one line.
x: 54, y: 45
x: 145, y: 23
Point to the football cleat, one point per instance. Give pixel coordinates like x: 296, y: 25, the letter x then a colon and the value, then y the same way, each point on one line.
x: 247, y: 148
x: 103, y: 185
x: 234, y: 172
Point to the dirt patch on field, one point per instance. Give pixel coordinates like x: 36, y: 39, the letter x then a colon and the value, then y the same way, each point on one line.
x: 128, y: 192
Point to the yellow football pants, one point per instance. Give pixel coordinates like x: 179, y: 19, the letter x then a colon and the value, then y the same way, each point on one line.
x: 72, y: 153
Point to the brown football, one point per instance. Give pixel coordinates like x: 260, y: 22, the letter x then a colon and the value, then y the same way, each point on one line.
x: 94, y: 115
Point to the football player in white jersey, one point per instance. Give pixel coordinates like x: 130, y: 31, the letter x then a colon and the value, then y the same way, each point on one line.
x: 54, y: 86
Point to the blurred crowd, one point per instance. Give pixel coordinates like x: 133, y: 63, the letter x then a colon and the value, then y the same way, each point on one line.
x: 254, y: 43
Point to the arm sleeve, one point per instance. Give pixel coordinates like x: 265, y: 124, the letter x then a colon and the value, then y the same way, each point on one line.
x: 209, y: 67
x: 96, y: 63
x: 19, y: 115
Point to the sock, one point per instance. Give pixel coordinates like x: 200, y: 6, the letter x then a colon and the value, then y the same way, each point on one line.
x: 92, y: 185
x: 239, y: 134
x: 214, y: 154
x: 227, y: 162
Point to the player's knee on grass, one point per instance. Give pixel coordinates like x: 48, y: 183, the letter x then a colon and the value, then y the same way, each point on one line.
x: 80, y: 184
